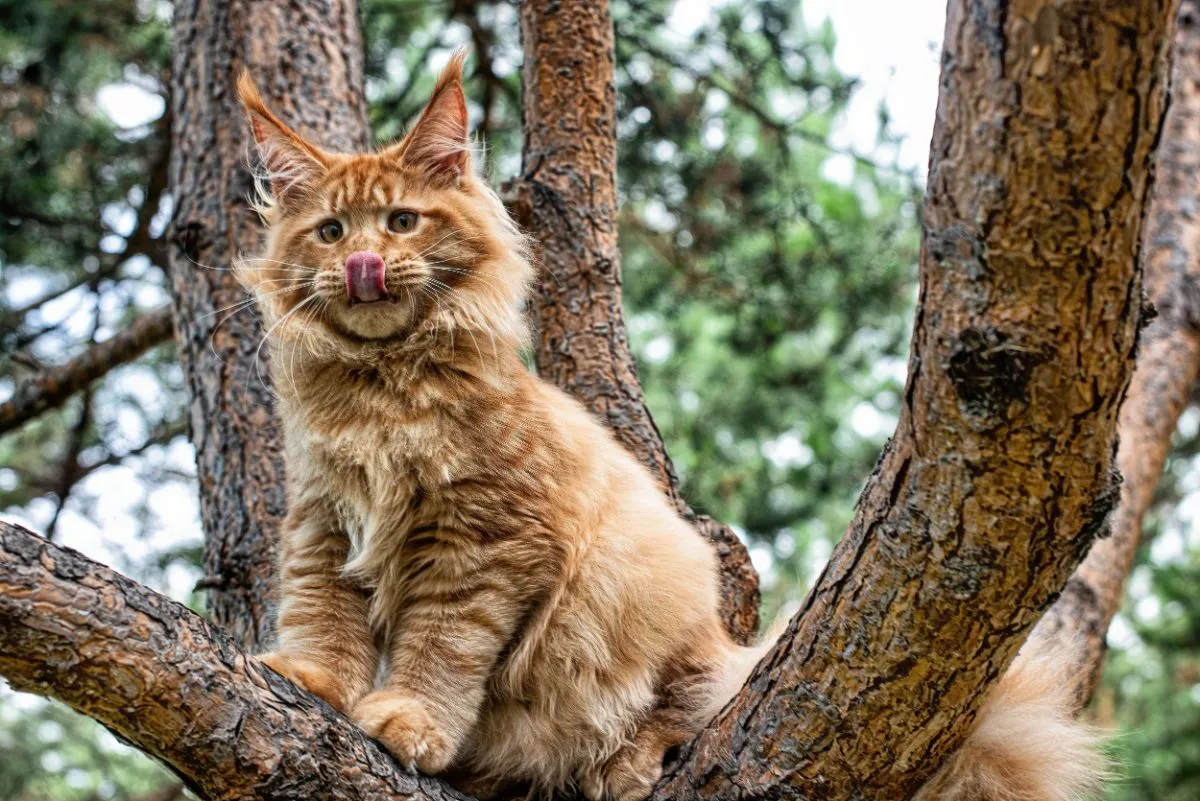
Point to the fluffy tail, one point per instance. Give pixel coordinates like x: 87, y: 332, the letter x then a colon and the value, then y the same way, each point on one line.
x: 733, y: 667
x: 1026, y: 744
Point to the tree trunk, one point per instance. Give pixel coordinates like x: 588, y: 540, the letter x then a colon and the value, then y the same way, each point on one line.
x: 1000, y: 474
x: 1167, y: 364
x: 307, y: 59
x: 566, y: 197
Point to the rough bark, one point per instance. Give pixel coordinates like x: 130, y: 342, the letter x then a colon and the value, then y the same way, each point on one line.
x: 1167, y: 364
x: 178, y: 687
x: 307, y: 60
x: 566, y: 197
x: 51, y: 388
x: 1000, y: 473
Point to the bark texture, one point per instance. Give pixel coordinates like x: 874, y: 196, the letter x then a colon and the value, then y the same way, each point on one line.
x: 1167, y: 363
x: 566, y: 197
x: 307, y: 60
x: 1000, y: 474
x: 178, y: 688
x: 52, y: 387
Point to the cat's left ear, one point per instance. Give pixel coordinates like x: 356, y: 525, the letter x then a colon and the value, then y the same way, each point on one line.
x: 293, y: 164
x: 438, y: 144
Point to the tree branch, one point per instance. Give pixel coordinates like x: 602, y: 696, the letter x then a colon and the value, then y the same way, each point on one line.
x: 1168, y: 365
x: 177, y: 687
x: 69, y: 473
x: 999, y: 475
x: 52, y: 388
x: 781, y: 128
x: 566, y: 196
x: 34, y: 484
x: 140, y: 242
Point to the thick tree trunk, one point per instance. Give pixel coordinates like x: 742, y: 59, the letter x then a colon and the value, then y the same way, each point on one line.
x: 307, y: 59
x: 175, y: 686
x: 1000, y: 474
x: 1167, y: 364
x: 566, y: 197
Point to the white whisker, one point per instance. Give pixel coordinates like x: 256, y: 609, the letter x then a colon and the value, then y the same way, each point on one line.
x: 296, y: 267
x: 254, y: 299
x: 267, y: 335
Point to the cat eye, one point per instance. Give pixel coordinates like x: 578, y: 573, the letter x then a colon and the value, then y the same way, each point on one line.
x: 329, y: 231
x: 402, y: 222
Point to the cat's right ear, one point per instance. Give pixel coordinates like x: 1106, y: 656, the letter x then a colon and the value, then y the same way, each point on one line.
x: 293, y: 165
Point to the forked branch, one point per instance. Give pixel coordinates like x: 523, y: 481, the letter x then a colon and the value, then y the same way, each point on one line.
x: 1000, y: 474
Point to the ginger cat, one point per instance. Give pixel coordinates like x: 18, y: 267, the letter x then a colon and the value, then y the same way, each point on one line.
x: 541, y: 613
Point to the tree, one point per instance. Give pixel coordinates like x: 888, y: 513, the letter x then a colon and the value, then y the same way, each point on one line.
x: 727, y: 301
x: 985, y: 327
x: 1167, y: 365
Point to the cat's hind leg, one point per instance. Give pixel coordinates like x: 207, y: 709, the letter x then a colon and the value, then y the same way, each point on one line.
x: 630, y: 773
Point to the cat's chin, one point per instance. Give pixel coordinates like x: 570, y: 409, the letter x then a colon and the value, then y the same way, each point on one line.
x: 379, y: 320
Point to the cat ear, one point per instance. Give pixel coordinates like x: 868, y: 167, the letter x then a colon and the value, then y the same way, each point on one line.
x: 438, y: 144
x: 293, y: 165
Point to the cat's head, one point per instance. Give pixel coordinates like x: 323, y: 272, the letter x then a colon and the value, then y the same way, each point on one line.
x: 380, y: 247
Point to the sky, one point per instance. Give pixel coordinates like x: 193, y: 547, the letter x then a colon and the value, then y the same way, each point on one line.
x: 891, y: 47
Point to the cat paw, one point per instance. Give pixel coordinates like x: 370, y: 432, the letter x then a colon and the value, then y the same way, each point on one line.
x: 629, y: 775
x: 401, y: 723
x: 307, y: 674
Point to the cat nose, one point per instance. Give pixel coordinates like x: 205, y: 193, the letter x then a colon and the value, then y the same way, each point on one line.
x: 366, y: 281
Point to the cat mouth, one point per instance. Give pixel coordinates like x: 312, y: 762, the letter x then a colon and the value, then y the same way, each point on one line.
x: 377, y: 303
x: 366, y: 279
x: 368, y: 283
x: 401, y: 292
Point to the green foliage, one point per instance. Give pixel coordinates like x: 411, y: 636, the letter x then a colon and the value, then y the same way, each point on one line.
x: 50, y: 752
x: 1151, y: 689
x: 79, y: 197
x: 768, y: 304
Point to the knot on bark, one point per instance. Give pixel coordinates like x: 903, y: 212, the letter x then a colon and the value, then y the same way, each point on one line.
x: 190, y: 238
x: 989, y: 371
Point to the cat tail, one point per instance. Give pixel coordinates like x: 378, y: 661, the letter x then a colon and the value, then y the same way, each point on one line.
x: 734, y: 665
x: 1027, y: 744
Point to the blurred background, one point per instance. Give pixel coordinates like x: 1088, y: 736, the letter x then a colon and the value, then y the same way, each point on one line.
x: 772, y: 160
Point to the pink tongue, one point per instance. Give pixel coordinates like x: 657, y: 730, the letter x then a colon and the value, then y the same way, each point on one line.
x: 365, y: 280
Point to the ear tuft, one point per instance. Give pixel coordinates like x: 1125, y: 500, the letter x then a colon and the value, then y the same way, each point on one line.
x: 292, y: 163
x: 438, y: 143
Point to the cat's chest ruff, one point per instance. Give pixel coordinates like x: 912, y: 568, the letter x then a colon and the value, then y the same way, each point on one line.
x: 373, y: 454
x: 384, y: 482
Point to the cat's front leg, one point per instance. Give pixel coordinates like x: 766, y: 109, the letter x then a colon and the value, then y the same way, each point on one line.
x: 308, y: 674
x: 325, y: 643
x: 448, y: 638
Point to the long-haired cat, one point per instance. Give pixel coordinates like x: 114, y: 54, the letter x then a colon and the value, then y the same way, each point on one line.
x: 541, y: 613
